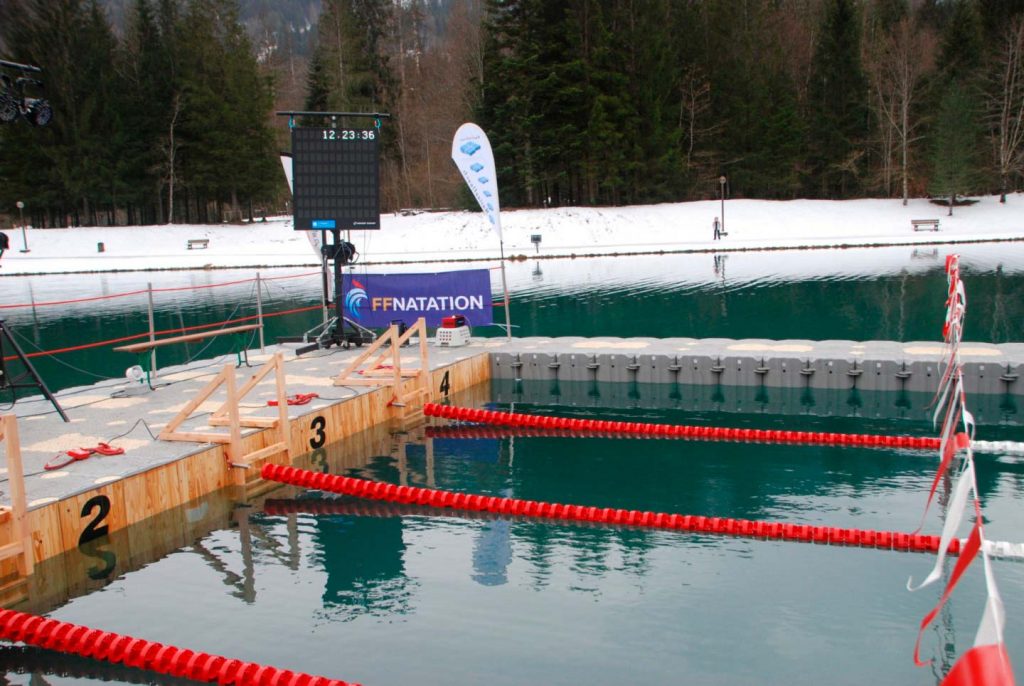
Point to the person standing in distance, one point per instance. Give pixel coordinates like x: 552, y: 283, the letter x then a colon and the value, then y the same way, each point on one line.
x: 717, y: 225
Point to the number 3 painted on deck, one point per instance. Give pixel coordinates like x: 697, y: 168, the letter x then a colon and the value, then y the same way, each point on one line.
x: 318, y: 426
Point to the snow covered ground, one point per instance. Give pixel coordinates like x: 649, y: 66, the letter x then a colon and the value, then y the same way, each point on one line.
x: 568, y: 231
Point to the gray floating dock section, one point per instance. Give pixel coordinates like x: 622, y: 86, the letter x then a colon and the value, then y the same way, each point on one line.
x: 867, y: 366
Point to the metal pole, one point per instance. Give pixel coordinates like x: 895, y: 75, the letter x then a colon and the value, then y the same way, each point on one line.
x: 325, y: 298
x: 339, y: 290
x: 152, y: 331
x: 259, y: 309
x: 504, y: 288
x: 24, y: 238
x: 721, y: 186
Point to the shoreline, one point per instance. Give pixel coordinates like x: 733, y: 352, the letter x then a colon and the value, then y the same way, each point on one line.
x: 847, y: 245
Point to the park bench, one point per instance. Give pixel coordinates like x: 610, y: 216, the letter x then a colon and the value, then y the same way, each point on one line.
x: 925, y: 224
x: 198, y: 243
x: 142, y: 349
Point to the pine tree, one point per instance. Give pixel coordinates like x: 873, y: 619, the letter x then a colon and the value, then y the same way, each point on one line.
x: 955, y: 145
x: 838, y: 125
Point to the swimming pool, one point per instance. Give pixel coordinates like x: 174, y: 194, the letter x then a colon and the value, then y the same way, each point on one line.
x: 385, y: 596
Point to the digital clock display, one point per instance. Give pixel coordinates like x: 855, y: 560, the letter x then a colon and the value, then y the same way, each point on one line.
x: 336, y: 178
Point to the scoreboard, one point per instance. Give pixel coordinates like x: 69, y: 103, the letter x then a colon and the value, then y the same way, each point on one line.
x: 336, y: 178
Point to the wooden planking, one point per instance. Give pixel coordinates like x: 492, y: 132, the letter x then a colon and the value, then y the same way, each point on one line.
x: 57, y: 527
x: 44, y: 525
x: 207, y: 472
x: 162, y: 488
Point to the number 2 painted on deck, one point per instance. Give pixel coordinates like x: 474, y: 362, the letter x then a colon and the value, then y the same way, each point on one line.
x: 87, y: 542
x: 93, y: 529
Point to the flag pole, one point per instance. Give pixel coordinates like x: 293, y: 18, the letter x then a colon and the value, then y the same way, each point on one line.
x: 504, y: 288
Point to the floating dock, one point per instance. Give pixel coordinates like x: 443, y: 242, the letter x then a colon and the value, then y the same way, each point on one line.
x: 70, y: 507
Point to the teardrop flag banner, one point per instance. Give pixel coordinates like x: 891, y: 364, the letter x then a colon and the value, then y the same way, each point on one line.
x: 471, y: 152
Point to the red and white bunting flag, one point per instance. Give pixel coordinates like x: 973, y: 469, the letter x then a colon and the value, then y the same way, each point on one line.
x: 957, y: 506
x: 968, y: 552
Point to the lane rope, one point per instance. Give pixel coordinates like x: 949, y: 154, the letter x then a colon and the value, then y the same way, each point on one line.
x: 286, y: 506
x: 107, y: 646
x: 414, y: 495
x: 705, y: 433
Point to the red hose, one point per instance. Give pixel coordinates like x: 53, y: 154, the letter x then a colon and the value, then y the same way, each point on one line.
x: 107, y: 646
x: 414, y: 495
x: 705, y: 433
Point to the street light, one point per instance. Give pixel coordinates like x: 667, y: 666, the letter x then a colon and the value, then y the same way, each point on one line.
x: 24, y: 240
x: 721, y: 192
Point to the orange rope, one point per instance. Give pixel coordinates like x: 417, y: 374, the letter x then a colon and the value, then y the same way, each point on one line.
x: 85, y: 346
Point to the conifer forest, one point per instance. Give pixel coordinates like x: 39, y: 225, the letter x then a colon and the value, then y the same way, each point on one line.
x: 165, y: 110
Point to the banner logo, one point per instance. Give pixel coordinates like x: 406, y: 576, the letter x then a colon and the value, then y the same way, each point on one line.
x: 355, y: 298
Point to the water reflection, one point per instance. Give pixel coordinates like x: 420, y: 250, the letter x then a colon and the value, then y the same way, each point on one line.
x: 855, y: 294
x: 990, y: 410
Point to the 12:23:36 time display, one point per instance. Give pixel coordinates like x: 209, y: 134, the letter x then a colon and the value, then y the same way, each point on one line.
x: 349, y: 135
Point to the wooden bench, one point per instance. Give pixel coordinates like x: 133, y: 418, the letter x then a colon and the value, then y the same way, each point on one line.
x: 925, y: 224
x: 240, y: 349
x: 198, y: 243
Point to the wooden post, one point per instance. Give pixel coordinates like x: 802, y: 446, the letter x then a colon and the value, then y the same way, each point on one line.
x: 259, y: 310
x: 20, y: 544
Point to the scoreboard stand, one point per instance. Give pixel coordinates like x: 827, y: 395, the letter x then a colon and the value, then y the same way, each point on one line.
x: 335, y: 187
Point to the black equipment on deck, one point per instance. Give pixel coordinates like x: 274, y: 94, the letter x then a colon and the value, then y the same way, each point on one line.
x: 7, y: 382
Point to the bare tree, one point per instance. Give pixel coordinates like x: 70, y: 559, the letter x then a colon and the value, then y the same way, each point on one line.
x: 169, y: 149
x: 897, y: 68
x: 694, y: 103
x: 1005, y: 105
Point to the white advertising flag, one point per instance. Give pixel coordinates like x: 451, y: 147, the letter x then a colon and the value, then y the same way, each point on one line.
x: 472, y: 154
x: 286, y: 162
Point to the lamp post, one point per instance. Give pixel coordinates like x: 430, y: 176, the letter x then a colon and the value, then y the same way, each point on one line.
x: 24, y: 240
x: 721, y: 194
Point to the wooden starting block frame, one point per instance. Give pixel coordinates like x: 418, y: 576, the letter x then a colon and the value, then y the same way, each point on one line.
x: 381, y: 373
x: 20, y: 545
x: 227, y: 415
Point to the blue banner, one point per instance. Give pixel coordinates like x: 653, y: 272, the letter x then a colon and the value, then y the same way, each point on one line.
x: 376, y: 300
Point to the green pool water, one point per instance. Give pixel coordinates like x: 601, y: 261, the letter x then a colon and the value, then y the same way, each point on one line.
x: 366, y: 592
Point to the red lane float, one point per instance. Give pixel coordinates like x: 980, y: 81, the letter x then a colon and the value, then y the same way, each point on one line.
x: 702, y: 433
x: 482, y: 431
x: 414, y: 495
x: 107, y: 646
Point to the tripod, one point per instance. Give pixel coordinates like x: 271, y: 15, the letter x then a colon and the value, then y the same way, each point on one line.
x: 7, y: 382
x: 338, y: 330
